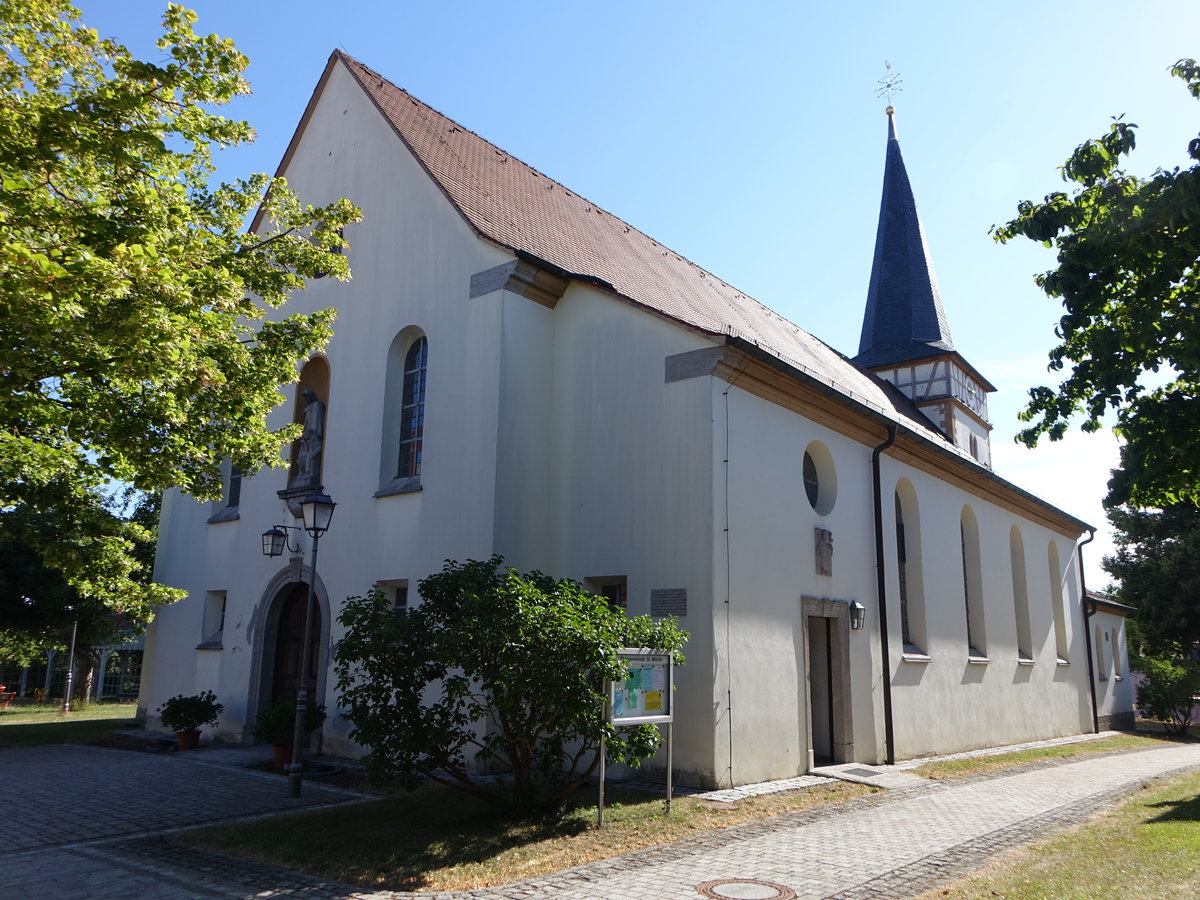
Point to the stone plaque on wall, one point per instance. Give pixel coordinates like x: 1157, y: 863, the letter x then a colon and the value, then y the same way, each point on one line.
x: 824, y: 543
x: 668, y: 602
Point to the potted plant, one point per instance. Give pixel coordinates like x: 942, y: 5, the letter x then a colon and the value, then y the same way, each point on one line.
x: 187, y: 715
x: 276, y: 724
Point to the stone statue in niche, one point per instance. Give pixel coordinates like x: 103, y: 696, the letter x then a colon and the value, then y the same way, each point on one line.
x: 824, y: 544
x: 312, y: 441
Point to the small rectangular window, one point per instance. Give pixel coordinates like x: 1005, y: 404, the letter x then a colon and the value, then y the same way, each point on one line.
x: 396, y: 591
x: 213, y: 629
x: 226, y: 508
x: 233, y: 494
x: 612, y: 588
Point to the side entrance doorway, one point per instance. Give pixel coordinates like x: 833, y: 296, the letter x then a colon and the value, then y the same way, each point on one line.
x: 827, y: 676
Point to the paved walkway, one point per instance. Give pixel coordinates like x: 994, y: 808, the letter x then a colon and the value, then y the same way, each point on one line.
x: 81, y: 822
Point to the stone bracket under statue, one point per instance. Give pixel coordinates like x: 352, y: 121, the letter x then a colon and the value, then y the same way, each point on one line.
x: 295, y: 493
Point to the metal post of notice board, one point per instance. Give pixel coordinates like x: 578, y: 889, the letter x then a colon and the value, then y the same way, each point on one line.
x: 644, y: 697
x: 670, y: 725
x: 600, y: 803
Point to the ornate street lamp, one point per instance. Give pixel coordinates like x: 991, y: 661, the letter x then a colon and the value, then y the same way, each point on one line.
x: 317, y: 510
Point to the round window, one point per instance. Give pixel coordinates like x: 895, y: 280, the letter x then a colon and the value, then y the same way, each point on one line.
x: 820, y: 478
x: 812, y: 484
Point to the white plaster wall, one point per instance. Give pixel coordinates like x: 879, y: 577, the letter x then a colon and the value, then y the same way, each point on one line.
x: 760, y: 690
x: 947, y: 704
x: 626, y: 478
x: 412, y: 257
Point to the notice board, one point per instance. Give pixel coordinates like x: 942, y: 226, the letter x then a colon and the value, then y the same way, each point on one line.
x: 645, y: 694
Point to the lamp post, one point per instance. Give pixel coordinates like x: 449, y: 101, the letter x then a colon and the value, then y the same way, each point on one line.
x: 317, y: 510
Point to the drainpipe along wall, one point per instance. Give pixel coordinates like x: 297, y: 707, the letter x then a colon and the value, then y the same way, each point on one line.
x: 1087, y: 637
x: 881, y: 593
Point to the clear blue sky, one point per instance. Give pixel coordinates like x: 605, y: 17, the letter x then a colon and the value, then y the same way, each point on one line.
x: 748, y: 137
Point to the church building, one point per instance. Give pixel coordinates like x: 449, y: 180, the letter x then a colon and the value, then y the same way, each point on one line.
x: 516, y: 371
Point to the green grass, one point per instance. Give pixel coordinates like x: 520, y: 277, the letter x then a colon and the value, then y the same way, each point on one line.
x: 1148, y: 848
x: 439, y: 839
x: 86, y: 723
x: 953, y: 768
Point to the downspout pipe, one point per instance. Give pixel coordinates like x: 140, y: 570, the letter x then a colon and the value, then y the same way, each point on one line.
x: 881, y: 593
x: 1087, y: 636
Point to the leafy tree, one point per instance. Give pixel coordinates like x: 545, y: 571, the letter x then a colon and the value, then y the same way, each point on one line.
x: 38, y: 608
x: 1169, y: 691
x: 1158, y: 566
x: 495, y: 667
x: 133, y: 345
x: 1128, y: 278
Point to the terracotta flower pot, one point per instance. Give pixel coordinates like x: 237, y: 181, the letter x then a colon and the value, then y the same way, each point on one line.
x: 283, y: 756
x: 187, y: 740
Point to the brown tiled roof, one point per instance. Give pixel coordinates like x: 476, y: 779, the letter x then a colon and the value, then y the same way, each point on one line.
x: 518, y: 207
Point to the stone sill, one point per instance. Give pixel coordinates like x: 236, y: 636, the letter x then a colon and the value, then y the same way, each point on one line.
x: 228, y: 514
x: 407, y: 485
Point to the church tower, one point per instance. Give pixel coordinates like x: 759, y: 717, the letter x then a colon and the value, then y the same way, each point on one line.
x: 905, y: 337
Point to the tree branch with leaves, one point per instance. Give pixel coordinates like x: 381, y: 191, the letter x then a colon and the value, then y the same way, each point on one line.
x: 134, y: 345
x: 1128, y: 278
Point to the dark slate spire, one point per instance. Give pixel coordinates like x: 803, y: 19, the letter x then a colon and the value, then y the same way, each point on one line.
x: 904, y: 318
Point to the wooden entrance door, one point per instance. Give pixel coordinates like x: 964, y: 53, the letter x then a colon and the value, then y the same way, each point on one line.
x: 288, y: 643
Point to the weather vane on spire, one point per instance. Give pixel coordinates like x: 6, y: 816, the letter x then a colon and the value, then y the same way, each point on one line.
x: 889, y: 85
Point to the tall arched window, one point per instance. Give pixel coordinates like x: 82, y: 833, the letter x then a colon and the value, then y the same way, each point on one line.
x: 1056, y: 602
x: 412, y: 409
x: 972, y: 584
x: 1016, y: 550
x: 402, y: 449
x: 908, y: 565
x: 1101, y: 661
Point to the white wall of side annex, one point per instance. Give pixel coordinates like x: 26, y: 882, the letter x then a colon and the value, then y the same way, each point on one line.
x: 412, y: 258
x: 606, y: 470
x: 945, y: 702
x: 1110, y: 654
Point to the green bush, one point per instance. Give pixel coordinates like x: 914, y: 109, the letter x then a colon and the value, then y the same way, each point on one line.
x: 190, y: 713
x: 492, y: 667
x: 1169, y: 692
x: 276, y: 722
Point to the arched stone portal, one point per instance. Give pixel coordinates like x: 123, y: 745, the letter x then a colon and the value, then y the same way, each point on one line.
x: 278, y: 634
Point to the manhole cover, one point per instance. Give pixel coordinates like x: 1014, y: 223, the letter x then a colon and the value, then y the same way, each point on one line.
x: 860, y: 773
x: 744, y: 889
